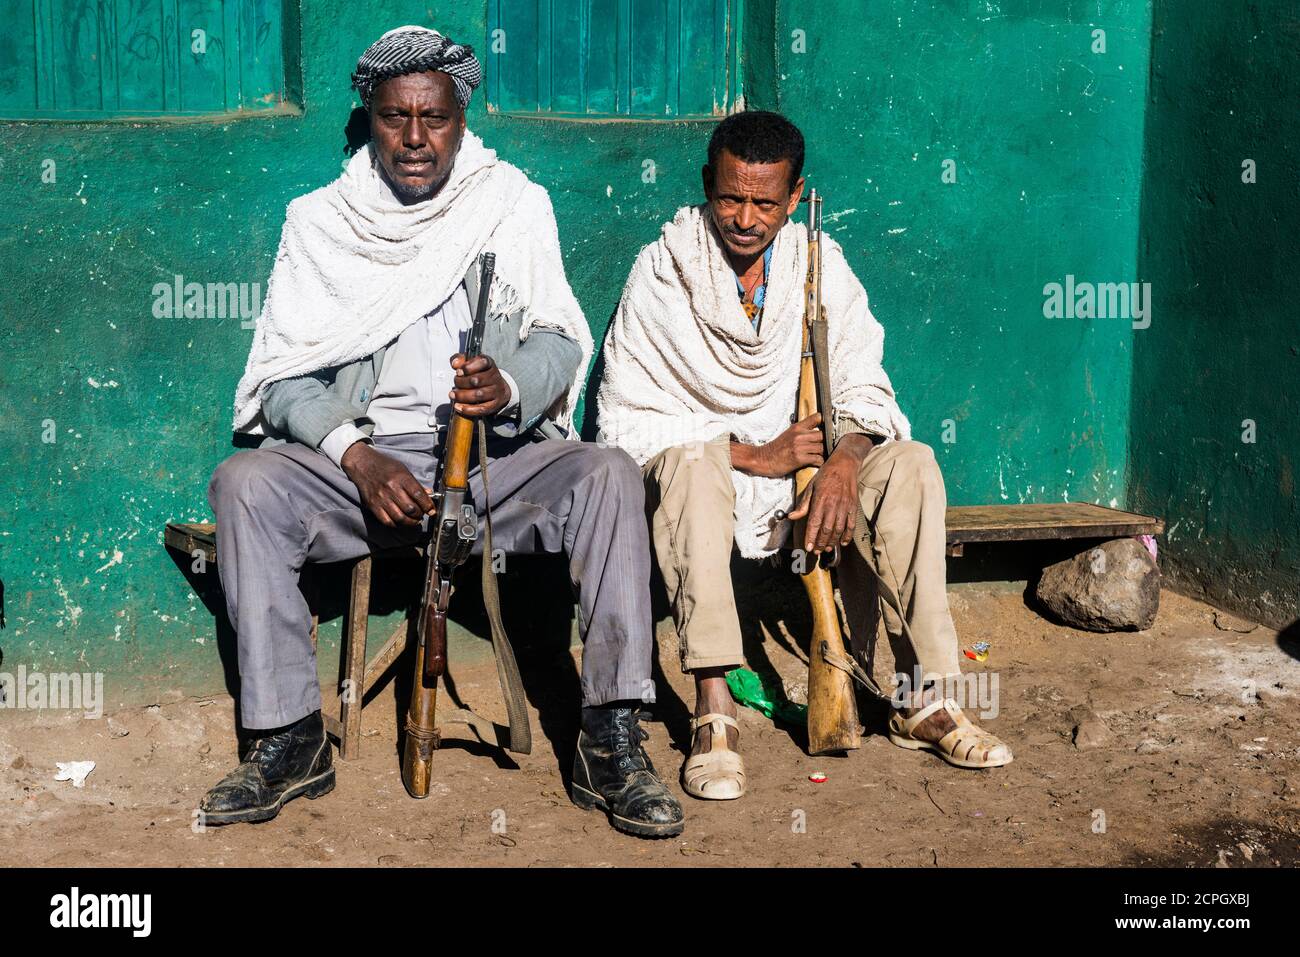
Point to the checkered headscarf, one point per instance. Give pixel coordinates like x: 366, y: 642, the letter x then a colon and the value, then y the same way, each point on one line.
x: 414, y: 49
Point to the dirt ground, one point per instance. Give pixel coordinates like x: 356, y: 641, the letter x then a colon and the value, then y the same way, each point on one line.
x: 1199, y: 765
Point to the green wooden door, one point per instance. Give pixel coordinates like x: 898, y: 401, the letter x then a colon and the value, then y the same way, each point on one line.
x: 651, y: 59
x: 95, y: 59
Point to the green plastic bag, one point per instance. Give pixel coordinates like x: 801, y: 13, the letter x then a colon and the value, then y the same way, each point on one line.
x: 765, y: 695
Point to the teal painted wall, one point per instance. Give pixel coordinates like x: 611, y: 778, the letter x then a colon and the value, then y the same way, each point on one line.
x: 1047, y: 140
x: 1224, y: 346
x: 1046, y: 137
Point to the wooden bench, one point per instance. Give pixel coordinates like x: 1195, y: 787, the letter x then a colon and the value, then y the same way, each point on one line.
x: 1053, y: 520
x: 966, y: 524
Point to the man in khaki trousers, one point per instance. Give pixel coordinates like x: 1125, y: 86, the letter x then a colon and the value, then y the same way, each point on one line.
x: 701, y: 375
x: 901, y: 494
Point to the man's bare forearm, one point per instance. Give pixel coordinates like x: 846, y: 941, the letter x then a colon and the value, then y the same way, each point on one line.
x: 854, y: 445
x: 745, y: 458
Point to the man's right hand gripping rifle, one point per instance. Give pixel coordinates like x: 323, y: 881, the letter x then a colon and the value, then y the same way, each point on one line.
x: 396, y: 498
x: 388, y: 489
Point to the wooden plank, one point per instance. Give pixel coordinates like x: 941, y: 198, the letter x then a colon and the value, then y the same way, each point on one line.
x: 516, y: 68
x: 96, y: 59
x: 1059, y: 520
x: 564, y: 68
x: 203, y: 75
x: 673, y: 57
x: 390, y: 652
x: 647, y: 62
x: 702, y: 57
x: 169, y: 38
x: 354, y: 645
x: 545, y: 56
x: 332, y: 727
x: 965, y: 523
x: 139, y: 52
x: 189, y: 537
x: 203, y: 530
x: 42, y: 67
x: 76, y: 63
x: 602, y: 32
x: 622, y: 25
x: 261, y: 56
x: 722, y: 40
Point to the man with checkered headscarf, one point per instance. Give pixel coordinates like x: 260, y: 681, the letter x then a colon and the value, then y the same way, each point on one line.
x: 408, y: 56
x: 356, y: 353
x: 392, y: 66
x: 415, y: 50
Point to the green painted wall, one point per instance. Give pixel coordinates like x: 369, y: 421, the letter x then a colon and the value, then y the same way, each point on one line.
x: 1224, y: 346
x: 1046, y: 136
x: 1047, y: 140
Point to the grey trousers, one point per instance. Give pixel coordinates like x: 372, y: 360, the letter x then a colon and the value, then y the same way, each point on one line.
x: 280, y: 507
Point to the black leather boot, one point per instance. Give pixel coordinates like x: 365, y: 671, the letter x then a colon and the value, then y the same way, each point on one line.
x: 278, y: 767
x: 612, y: 773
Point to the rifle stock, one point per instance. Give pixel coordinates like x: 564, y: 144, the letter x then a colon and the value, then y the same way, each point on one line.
x: 832, y: 708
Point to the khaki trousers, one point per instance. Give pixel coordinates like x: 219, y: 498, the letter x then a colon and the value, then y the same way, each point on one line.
x: 900, y: 489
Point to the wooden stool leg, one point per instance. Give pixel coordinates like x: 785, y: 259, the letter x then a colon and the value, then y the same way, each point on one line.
x: 354, y: 643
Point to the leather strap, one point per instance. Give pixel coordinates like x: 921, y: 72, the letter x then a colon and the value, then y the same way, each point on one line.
x: 821, y: 352
x: 710, y: 718
x: 512, y: 686
x: 908, y: 725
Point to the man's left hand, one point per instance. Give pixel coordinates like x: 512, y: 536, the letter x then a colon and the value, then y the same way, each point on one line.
x: 481, y: 389
x: 830, y: 502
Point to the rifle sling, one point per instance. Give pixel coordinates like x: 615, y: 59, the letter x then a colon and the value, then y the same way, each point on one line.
x: 518, y: 737
x: 512, y: 686
x: 822, y: 374
x: 863, y: 534
x: 862, y: 539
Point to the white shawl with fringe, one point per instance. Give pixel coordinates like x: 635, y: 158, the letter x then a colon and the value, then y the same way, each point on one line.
x: 355, y: 267
x: 683, y: 363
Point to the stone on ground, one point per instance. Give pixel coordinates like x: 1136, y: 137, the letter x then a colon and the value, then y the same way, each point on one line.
x: 1114, y: 586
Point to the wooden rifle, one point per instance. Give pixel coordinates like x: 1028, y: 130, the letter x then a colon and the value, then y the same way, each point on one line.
x: 454, y: 531
x: 832, y: 708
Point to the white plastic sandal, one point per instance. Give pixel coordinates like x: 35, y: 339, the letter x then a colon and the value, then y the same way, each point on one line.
x: 719, y: 773
x: 965, y: 746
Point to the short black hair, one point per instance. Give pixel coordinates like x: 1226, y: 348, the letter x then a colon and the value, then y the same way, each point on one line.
x: 759, y: 136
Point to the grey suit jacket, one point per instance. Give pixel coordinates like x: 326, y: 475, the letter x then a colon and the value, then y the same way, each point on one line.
x: 310, y: 407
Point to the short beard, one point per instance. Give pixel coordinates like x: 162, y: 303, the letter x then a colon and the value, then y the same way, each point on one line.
x: 408, y: 193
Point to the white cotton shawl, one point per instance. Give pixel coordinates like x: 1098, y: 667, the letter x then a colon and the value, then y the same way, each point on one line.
x: 355, y: 267
x: 683, y: 363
